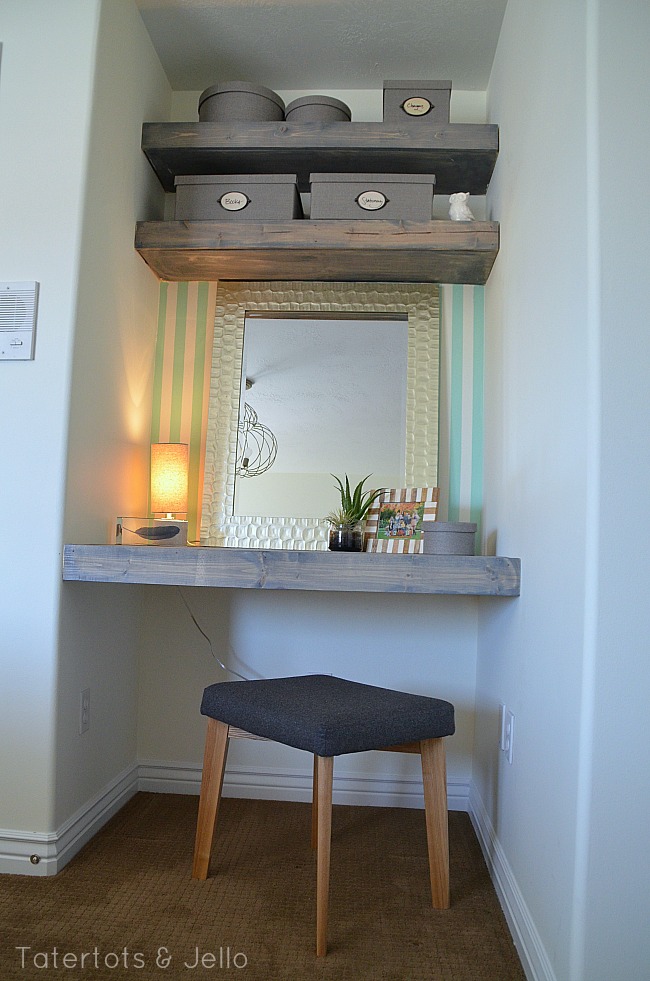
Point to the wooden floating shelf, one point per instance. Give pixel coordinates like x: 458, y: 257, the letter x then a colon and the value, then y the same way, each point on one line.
x: 334, y: 251
x: 243, y: 568
x: 461, y: 155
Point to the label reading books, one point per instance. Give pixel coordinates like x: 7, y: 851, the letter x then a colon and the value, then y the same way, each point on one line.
x: 416, y: 106
x: 233, y: 200
x: 371, y: 200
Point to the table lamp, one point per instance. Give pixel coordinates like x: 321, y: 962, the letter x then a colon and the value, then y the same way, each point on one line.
x: 168, y: 475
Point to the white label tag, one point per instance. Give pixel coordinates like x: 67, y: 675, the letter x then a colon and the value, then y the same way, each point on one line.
x: 233, y: 200
x: 416, y: 106
x: 371, y: 200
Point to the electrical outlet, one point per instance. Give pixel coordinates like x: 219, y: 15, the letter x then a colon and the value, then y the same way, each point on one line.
x: 84, y: 711
x: 508, y: 733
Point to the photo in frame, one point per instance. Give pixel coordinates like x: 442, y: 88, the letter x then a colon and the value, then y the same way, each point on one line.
x: 394, y: 522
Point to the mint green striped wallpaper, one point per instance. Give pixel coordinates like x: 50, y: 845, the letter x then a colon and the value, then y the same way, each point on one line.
x: 462, y: 353
x: 182, y: 377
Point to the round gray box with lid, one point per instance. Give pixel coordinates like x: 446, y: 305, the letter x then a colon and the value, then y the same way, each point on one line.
x: 448, y: 537
x: 317, y: 109
x: 230, y: 102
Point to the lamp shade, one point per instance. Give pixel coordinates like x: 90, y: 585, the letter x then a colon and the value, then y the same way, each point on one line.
x: 169, y: 467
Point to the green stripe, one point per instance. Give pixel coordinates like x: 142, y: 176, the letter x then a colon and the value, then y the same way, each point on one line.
x: 180, y: 330
x: 441, y: 301
x: 156, y: 406
x: 456, y: 402
x: 478, y: 369
x: 202, y: 314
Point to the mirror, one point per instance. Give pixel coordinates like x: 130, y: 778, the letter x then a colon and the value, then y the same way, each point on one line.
x: 317, y: 387
x: 301, y: 338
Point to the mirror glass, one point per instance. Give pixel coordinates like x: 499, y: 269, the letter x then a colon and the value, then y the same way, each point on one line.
x: 349, y: 369
x: 332, y: 392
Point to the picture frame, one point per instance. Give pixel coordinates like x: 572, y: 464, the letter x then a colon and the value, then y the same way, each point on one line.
x: 394, y: 521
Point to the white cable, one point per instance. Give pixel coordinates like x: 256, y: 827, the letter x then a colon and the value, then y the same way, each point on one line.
x: 203, y: 634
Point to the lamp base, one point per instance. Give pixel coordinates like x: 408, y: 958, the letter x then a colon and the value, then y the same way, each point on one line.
x: 150, y: 531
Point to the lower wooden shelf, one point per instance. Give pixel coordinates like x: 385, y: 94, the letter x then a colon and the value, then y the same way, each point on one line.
x: 333, y: 251
x: 244, y: 568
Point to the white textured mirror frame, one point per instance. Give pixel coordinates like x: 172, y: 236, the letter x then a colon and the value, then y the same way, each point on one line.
x: 419, y: 302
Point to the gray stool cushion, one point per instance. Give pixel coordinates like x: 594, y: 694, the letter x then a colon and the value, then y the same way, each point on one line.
x: 327, y: 716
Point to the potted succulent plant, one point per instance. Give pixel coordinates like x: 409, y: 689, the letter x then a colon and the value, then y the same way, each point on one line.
x: 347, y: 521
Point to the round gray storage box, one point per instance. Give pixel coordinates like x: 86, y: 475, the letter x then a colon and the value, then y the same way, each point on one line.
x: 317, y: 109
x: 231, y: 102
x: 448, y: 537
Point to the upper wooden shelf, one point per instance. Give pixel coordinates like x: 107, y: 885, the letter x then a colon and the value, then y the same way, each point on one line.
x: 340, y: 251
x: 461, y: 155
x: 249, y: 568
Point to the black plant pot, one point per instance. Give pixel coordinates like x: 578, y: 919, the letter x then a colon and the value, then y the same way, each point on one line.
x: 346, y: 538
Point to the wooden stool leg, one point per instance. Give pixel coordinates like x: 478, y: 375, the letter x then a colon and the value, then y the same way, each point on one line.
x: 314, y: 806
x: 434, y: 778
x: 325, y: 770
x: 214, y: 765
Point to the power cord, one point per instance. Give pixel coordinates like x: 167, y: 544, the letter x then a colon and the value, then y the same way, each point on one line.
x: 203, y: 634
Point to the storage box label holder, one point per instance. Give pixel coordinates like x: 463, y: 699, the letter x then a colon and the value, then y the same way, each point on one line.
x: 371, y: 200
x: 234, y: 201
x: 416, y: 106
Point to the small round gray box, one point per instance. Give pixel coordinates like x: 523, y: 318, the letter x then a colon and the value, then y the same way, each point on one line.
x: 317, y: 109
x: 448, y: 537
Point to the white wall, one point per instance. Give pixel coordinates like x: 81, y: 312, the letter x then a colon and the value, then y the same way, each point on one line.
x: 110, y: 406
x: 417, y: 643
x: 88, y: 383
x: 616, y: 941
x: 552, y: 656
x: 42, y: 181
x: 539, y: 393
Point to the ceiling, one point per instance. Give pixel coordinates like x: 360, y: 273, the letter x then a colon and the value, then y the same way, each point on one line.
x: 312, y: 44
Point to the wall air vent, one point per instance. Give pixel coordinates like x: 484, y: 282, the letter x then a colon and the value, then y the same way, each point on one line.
x: 18, y: 305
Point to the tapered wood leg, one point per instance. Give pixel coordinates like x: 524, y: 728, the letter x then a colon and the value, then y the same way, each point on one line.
x: 325, y: 770
x: 314, y: 805
x: 214, y: 765
x: 434, y: 778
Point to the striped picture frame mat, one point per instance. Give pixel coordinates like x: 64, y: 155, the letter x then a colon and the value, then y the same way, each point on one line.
x: 400, y: 495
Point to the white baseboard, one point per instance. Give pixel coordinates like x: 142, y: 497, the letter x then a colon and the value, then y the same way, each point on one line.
x: 534, y: 958
x: 270, y: 783
x: 54, y: 850
x: 25, y: 853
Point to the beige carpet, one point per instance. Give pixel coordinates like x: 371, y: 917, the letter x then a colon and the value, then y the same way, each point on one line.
x: 128, y: 902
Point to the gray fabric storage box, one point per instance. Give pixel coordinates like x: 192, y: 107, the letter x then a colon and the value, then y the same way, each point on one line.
x: 317, y: 109
x: 240, y: 197
x: 424, y: 103
x: 231, y: 102
x: 386, y: 196
x: 448, y: 537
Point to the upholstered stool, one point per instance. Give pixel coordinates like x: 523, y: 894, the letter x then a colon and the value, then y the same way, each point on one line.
x: 328, y: 717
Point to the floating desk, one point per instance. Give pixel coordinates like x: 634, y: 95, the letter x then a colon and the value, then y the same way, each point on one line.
x: 246, y: 568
